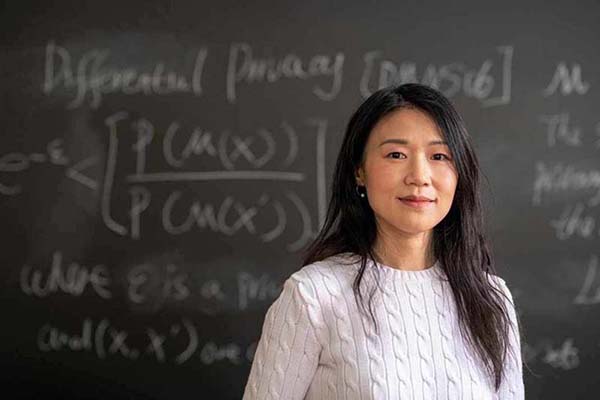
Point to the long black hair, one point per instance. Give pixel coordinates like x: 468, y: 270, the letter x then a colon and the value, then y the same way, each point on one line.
x: 459, y: 241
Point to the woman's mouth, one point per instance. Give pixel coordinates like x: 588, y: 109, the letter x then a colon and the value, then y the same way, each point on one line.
x: 418, y: 204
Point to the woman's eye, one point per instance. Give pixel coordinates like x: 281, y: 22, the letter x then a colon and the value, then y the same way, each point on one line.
x: 394, y: 154
x: 398, y: 155
x: 442, y: 154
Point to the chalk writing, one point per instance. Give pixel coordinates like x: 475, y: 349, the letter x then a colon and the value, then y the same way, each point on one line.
x: 560, y: 177
x: 567, y: 81
x: 244, y: 67
x: 560, y: 131
x: 563, y: 356
x: 483, y: 83
x: 250, y: 288
x: 93, y: 76
x: 573, y: 222
x: 589, y: 293
x: 105, y: 340
x: 145, y: 277
x: 54, y: 154
x: 73, y: 279
x: 229, y: 217
x: 212, y: 353
x: 230, y: 149
x: 177, y: 344
x: 149, y: 286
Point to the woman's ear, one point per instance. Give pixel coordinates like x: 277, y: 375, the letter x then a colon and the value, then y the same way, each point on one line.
x: 360, y: 177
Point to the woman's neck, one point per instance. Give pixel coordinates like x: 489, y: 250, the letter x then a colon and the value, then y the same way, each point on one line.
x: 407, y: 252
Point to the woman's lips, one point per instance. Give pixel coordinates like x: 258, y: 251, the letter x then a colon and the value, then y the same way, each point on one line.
x: 417, y: 204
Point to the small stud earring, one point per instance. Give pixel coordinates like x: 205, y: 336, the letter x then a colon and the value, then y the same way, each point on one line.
x: 360, y: 190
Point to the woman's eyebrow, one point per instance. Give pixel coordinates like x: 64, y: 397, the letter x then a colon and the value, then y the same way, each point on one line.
x: 404, y: 141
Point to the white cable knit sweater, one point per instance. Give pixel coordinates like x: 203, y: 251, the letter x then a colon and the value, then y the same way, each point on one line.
x: 315, y: 346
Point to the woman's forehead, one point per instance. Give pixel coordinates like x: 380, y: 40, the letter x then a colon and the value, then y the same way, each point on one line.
x: 407, y: 126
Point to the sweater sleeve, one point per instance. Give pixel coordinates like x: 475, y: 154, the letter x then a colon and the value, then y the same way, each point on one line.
x: 288, y: 350
x: 512, y: 386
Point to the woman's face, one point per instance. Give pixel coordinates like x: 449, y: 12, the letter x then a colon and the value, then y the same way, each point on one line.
x: 402, y: 158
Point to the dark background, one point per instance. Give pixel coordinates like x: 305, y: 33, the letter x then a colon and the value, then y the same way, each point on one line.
x: 99, y: 303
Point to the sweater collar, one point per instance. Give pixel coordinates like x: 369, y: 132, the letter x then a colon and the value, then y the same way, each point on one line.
x: 433, y: 273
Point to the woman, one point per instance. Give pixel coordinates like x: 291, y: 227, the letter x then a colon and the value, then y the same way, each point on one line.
x: 405, y: 221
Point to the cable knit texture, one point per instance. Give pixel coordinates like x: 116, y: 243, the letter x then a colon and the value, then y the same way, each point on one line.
x: 315, y: 345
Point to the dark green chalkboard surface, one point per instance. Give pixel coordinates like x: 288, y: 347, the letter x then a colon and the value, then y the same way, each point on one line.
x: 163, y: 164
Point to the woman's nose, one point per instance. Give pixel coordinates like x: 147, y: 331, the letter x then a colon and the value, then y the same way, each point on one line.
x: 418, y: 172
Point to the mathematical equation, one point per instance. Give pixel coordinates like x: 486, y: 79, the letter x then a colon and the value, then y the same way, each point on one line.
x: 189, y: 154
x: 177, y: 344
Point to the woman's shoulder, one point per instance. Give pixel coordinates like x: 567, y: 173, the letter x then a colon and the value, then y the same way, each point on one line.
x: 342, y: 263
x: 334, y: 274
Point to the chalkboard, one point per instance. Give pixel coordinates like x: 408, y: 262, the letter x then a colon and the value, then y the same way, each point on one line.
x: 163, y: 165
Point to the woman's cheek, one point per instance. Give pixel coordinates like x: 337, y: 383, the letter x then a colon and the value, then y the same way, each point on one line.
x: 445, y: 172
